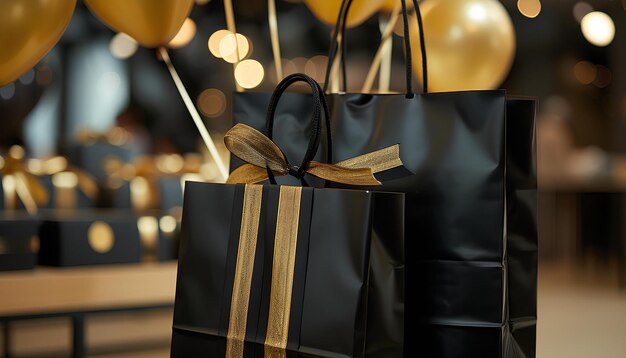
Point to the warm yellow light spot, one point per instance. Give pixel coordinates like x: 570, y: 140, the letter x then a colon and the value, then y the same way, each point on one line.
x: 212, y: 102
x: 184, y: 35
x: 170, y: 163
x: 585, y: 72
x: 168, y: 224
x: 529, y: 8
x: 598, y: 28
x: 65, y: 180
x: 228, y: 48
x: 16, y: 152
x: 214, y: 42
x: 148, y: 231
x: 249, y: 73
x: 122, y: 46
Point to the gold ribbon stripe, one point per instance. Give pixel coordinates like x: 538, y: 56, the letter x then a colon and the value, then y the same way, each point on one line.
x: 240, y: 298
x: 283, y: 266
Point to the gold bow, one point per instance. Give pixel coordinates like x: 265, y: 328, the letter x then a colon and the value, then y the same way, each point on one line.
x: 19, y: 183
x: 261, y: 154
x: 65, y: 175
x: 117, y: 136
x: 144, y: 173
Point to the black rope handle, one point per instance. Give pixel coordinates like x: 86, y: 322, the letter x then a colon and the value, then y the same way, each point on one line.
x: 341, y: 23
x: 319, y: 105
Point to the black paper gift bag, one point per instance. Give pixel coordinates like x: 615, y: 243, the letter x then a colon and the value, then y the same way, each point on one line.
x: 471, y: 236
x: 313, y: 271
x: 275, y: 271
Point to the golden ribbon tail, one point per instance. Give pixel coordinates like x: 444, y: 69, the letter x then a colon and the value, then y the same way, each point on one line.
x: 22, y: 184
x: 261, y: 153
x: 86, y: 183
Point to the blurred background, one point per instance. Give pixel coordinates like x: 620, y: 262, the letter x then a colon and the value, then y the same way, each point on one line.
x: 100, y: 121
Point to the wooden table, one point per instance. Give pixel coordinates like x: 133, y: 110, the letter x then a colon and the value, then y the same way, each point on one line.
x: 79, y: 291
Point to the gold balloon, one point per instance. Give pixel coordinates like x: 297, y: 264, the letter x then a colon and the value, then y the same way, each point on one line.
x: 28, y: 31
x: 470, y: 44
x: 328, y: 10
x: 389, y: 5
x: 152, y: 23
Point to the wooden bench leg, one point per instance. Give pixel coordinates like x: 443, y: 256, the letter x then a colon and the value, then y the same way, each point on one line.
x: 78, y: 339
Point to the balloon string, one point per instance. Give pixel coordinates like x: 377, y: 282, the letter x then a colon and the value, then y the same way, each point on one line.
x: 204, y: 133
x: 334, y: 74
x: 271, y: 6
x: 384, y: 74
x: 371, y: 74
x: 230, y: 24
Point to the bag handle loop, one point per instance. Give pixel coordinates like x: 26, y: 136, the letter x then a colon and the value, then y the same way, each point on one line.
x: 340, y: 27
x: 319, y: 105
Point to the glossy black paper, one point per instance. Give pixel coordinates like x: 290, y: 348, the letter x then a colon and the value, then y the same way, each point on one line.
x: 471, y: 274
x: 350, y: 300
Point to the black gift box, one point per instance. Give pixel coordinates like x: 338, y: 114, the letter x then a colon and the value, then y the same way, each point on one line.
x: 80, y: 200
x: 167, y: 245
x: 93, y: 156
x: 89, y: 238
x: 159, y: 236
x: 18, y: 240
x: 164, y: 193
x: 170, y: 192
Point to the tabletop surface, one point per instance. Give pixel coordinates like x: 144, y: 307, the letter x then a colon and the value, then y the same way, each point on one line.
x: 50, y: 289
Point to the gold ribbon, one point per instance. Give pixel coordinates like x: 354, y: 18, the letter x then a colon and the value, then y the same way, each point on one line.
x: 283, y: 269
x: 65, y: 177
x: 240, y: 297
x: 145, y: 171
x: 261, y: 154
x: 19, y: 183
x: 117, y: 136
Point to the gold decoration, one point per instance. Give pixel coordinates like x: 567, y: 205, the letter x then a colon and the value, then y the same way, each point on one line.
x: 469, y: 44
x: 151, y: 23
x: 262, y: 154
x: 328, y: 10
x: 101, y: 237
x: 28, y: 31
x: 283, y: 267
x: 66, y: 179
x: 18, y: 182
x: 240, y: 298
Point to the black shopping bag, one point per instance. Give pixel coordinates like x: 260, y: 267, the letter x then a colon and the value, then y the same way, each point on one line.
x: 471, y: 236
x: 282, y: 271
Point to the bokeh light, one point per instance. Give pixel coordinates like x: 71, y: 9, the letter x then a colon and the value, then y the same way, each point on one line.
x: 598, y: 28
x: 7, y: 91
x: 581, y: 9
x: 168, y: 224
x: 603, y: 77
x: 184, y: 35
x: 122, y: 46
x: 529, y: 8
x: 228, y: 48
x: 212, y: 102
x: 214, y: 42
x: 249, y: 73
x: 316, y: 67
x: 585, y: 72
